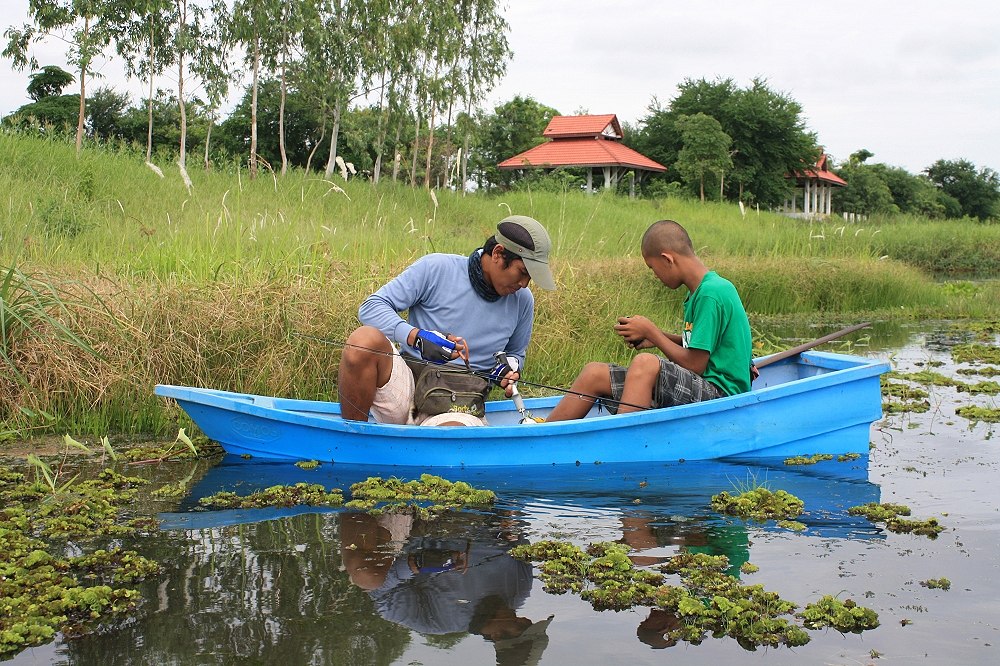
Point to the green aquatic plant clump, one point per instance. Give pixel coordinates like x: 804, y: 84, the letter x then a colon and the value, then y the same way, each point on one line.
x: 308, y: 494
x: 307, y: 464
x: 808, y: 460
x: 844, y: 616
x: 376, y: 494
x: 936, y: 583
x: 889, y: 514
x: 41, y: 593
x: 759, y: 504
x: 976, y: 413
x: 879, y: 513
x: 976, y: 352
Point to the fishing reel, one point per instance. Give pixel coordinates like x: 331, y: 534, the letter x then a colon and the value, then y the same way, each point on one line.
x: 511, y: 362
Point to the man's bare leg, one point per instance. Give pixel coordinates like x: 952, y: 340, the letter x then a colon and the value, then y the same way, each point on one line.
x: 363, y: 371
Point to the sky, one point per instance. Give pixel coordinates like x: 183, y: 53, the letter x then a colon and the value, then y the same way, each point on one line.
x: 912, y: 82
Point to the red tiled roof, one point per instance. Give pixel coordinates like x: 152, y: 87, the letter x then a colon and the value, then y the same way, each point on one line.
x: 580, y: 126
x: 820, y: 172
x: 582, y: 152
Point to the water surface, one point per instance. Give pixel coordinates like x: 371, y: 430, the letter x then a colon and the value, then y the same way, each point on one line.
x: 334, y: 587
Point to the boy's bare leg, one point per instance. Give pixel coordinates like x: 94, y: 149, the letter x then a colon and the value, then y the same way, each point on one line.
x: 593, y: 380
x: 640, y: 379
x: 363, y: 371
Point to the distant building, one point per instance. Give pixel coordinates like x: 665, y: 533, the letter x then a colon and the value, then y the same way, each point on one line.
x: 814, y: 190
x: 588, y: 142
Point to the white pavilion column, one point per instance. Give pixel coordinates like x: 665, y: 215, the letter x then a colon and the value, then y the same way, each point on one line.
x: 829, y: 199
x: 805, y: 198
x: 590, y: 180
x: 607, y: 177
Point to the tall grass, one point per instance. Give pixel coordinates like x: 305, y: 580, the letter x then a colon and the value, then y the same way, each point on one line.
x: 208, y: 287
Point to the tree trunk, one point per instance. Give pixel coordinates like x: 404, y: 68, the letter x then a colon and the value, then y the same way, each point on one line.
x: 208, y: 139
x: 331, y: 161
x: 253, y: 107
x: 416, y: 149
x: 83, y: 92
x: 149, y: 106
x: 281, y: 116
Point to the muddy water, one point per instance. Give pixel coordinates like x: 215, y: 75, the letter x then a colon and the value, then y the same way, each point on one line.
x: 268, y: 586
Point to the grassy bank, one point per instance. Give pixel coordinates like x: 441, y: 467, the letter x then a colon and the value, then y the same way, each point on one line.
x: 211, y: 286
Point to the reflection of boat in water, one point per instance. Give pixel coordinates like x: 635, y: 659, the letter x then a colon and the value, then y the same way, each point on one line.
x: 661, y: 490
x: 816, y: 402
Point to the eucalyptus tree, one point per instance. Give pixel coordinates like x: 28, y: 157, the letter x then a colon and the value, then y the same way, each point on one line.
x: 337, y: 57
x: 141, y: 32
x: 80, y: 24
x: 269, y: 30
x: 444, y: 49
x: 197, y: 41
x: 485, y: 54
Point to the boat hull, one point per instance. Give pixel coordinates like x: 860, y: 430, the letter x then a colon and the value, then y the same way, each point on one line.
x: 817, y: 402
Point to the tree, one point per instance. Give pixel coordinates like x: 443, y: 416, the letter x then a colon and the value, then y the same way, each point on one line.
x: 766, y: 127
x: 77, y: 22
x: 513, y: 128
x: 106, y: 113
x: 976, y: 190
x: 141, y: 32
x: 706, y: 150
x: 49, y: 81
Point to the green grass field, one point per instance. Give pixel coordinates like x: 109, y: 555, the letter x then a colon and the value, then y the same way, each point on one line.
x: 211, y: 286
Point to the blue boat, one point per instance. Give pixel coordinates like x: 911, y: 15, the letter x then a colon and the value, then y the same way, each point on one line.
x: 814, y: 402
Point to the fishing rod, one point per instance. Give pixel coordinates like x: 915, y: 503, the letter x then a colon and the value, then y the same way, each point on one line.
x: 476, y: 373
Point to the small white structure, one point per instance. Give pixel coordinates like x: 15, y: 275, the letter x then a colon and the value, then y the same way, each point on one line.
x: 814, y: 190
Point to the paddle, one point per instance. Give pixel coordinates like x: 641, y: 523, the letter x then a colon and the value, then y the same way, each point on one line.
x: 780, y: 356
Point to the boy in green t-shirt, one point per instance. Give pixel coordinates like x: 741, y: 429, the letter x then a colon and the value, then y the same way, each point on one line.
x: 710, y: 360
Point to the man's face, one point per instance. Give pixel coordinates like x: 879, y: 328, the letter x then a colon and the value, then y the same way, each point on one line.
x: 506, y: 279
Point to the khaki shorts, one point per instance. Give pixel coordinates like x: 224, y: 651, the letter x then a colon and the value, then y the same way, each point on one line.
x: 394, y: 401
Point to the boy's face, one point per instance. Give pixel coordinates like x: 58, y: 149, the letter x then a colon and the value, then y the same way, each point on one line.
x: 664, y: 268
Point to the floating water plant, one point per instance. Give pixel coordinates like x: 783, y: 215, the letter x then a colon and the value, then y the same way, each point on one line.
x: 307, y: 464
x: 848, y: 457
x: 976, y: 413
x: 981, y: 388
x: 308, y: 494
x: 41, y: 593
x: 844, y: 616
x: 902, y: 391
x: 792, y: 525
x: 917, y: 407
x: 428, y: 495
x: 808, y: 460
x: 760, y: 504
x: 890, y: 515
x: 976, y: 352
x: 936, y: 583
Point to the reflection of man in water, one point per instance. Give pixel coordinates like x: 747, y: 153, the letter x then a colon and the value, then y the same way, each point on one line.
x: 440, y: 585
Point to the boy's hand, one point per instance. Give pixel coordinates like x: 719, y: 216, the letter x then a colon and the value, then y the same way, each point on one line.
x: 636, y: 330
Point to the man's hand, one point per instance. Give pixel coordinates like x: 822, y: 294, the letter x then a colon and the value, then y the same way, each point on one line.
x: 504, y: 373
x: 636, y: 330
x: 437, y: 347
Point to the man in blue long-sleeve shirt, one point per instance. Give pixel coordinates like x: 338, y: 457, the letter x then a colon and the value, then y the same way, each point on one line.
x: 459, y: 308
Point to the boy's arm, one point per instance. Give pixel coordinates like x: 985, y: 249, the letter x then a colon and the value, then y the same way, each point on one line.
x: 638, y: 331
